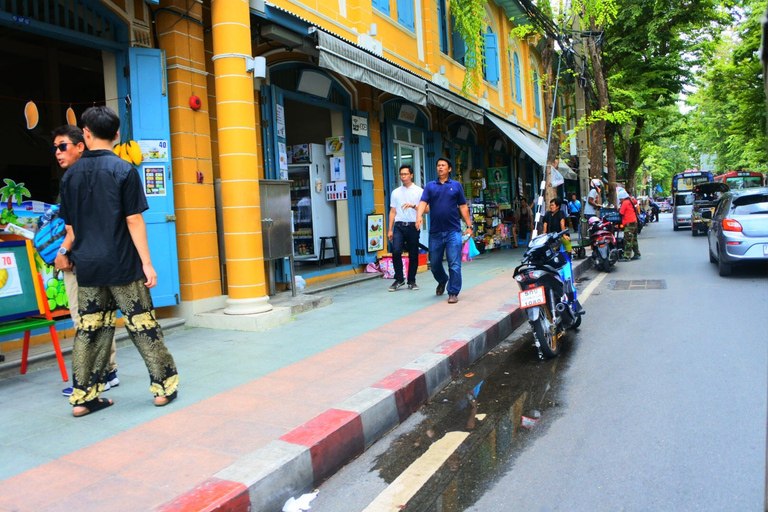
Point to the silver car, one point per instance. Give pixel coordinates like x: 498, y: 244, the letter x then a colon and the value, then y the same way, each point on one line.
x: 681, y: 211
x: 739, y: 229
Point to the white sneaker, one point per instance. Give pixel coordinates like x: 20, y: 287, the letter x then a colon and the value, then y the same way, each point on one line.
x: 112, y: 379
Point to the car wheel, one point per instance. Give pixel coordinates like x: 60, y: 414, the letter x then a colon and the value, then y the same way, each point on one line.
x: 723, y: 268
x: 675, y: 226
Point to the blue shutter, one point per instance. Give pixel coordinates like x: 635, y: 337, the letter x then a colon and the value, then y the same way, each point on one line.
x: 360, y: 193
x: 443, y: 21
x: 458, y: 49
x: 405, y: 13
x: 536, y: 100
x: 149, y: 121
x: 491, y: 63
x: 381, y: 5
x: 518, y: 95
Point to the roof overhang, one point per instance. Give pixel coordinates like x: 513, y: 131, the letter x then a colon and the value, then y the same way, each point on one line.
x: 532, y: 146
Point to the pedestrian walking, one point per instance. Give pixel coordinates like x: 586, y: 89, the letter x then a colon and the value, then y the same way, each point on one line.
x: 402, y: 228
x: 629, y: 219
x: 68, y: 147
x: 447, y: 206
x: 102, y: 201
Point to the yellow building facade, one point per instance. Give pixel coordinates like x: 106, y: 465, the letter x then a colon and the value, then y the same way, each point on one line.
x: 251, y: 88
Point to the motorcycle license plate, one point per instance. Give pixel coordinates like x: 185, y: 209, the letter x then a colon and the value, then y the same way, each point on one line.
x: 532, y: 297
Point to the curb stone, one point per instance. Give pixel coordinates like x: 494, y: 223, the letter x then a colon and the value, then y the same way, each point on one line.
x: 305, y: 457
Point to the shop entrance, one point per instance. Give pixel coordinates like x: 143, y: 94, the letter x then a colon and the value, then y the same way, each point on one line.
x: 317, y: 165
x: 56, y: 75
x: 406, y: 153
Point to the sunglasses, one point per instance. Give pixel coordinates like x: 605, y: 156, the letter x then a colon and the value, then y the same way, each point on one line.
x: 61, y: 147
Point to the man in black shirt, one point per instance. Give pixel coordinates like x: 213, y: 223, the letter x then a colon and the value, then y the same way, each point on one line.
x: 102, y: 201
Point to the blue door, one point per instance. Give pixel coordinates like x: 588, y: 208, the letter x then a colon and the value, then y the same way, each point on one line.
x: 151, y: 128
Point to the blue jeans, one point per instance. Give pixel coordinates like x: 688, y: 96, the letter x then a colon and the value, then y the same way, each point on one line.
x: 405, y: 235
x: 448, y: 243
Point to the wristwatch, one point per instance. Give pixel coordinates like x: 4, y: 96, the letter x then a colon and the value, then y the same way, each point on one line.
x: 63, y: 251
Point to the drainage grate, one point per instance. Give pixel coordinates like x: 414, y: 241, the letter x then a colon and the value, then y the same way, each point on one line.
x: 648, y: 284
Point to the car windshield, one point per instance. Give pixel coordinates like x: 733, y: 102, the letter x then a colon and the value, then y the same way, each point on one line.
x: 683, y: 199
x: 750, y: 204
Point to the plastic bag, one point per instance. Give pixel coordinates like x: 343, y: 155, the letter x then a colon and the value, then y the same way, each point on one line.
x: 472, y: 248
x: 300, y: 283
x: 373, y: 267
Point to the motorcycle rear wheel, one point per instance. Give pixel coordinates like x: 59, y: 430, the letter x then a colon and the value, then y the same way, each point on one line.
x: 544, y: 332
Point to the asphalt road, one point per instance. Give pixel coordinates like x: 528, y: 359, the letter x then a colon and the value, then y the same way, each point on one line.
x: 659, y: 403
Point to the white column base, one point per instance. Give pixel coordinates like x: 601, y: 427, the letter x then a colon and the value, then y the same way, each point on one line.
x: 248, y: 306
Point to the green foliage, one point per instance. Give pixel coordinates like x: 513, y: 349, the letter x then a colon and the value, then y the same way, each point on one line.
x: 617, y: 117
x: 728, y: 116
x: 12, y: 191
x: 469, y: 16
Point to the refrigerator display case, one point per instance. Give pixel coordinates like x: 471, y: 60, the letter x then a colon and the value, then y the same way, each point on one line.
x: 313, y: 215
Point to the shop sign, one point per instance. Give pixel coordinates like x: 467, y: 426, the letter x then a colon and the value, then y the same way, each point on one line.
x: 336, y: 191
x: 10, y: 284
x: 375, y: 232
x: 334, y: 146
x: 280, y: 118
x: 498, y: 186
x: 338, y: 171
x: 154, y: 181
x: 407, y: 113
x: 360, y: 126
x: 153, y: 150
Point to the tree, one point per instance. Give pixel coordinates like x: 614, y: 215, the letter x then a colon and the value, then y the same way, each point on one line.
x: 728, y: 116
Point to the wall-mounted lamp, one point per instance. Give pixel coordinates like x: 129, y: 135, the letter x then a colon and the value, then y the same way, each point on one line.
x: 442, y: 70
x: 372, y: 31
x: 485, y: 95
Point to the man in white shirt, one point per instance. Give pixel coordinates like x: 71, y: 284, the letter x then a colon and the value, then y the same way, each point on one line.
x: 592, y: 207
x: 402, y: 228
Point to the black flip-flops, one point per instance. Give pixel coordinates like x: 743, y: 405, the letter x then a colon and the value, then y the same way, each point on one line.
x: 92, y: 406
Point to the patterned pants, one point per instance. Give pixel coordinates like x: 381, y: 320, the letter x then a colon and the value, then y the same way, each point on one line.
x: 630, y: 240
x: 95, y: 329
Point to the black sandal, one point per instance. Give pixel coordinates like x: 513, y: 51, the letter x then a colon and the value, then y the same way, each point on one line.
x: 93, y: 406
x: 170, y: 398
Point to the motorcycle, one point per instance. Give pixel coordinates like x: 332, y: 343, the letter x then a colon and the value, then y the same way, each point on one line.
x: 547, y: 292
x: 605, y: 252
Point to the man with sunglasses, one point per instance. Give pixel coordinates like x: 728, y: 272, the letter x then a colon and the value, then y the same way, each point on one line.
x: 68, y: 147
x: 402, y: 228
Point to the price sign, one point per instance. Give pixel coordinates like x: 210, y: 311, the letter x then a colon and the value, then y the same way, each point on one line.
x: 10, y: 284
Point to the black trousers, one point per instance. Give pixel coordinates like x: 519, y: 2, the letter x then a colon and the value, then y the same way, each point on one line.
x: 407, y: 236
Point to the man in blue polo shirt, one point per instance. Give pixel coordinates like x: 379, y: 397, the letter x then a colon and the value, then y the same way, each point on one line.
x: 447, y: 205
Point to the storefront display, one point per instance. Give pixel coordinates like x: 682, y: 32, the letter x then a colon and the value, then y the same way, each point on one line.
x: 314, y: 216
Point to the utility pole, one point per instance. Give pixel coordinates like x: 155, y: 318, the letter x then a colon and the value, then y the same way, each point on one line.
x: 582, y: 146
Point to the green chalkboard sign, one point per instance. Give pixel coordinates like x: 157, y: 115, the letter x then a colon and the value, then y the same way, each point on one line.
x: 19, y: 293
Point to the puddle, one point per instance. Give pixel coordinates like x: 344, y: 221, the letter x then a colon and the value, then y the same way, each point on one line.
x: 505, y: 400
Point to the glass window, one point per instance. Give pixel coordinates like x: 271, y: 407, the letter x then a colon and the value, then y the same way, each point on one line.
x: 458, y: 50
x: 536, y: 101
x: 417, y: 137
x: 443, y: 21
x: 401, y: 133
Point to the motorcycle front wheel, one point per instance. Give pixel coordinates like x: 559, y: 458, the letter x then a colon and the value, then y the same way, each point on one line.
x: 544, y: 332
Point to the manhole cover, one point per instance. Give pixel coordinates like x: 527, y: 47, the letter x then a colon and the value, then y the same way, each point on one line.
x: 647, y: 284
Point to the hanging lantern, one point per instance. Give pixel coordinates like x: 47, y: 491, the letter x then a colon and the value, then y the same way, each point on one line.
x: 31, y: 114
x: 71, y: 118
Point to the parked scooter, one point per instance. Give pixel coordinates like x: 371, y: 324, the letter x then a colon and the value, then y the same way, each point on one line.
x: 548, y: 294
x: 605, y: 252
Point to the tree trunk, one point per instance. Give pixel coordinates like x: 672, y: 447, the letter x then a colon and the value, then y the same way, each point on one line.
x: 601, y: 88
x: 610, y: 156
x: 633, y: 155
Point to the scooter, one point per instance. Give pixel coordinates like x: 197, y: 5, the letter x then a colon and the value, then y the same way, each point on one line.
x: 605, y: 251
x: 548, y: 294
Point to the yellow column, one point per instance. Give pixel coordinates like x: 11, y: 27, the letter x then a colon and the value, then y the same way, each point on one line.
x: 231, y: 33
